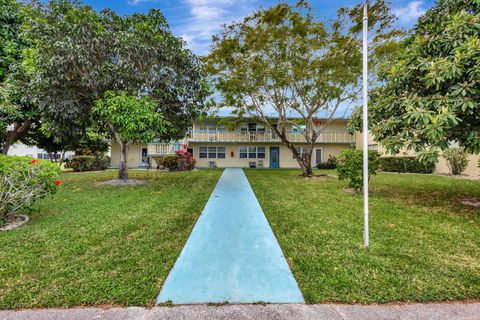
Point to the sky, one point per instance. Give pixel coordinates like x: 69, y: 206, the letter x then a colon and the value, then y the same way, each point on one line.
x: 197, y: 20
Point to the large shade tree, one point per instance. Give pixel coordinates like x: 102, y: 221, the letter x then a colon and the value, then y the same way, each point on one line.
x: 285, y: 68
x: 429, y: 95
x: 81, y: 54
x: 17, y: 113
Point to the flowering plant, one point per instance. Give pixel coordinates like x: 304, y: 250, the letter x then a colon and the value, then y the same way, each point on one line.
x: 23, y: 181
x: 182, y: 160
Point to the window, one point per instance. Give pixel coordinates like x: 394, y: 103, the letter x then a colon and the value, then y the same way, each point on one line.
x: 243, y: 152
x: 208, y: 126
x: 202, y: 152
x: 300, y: 128
x: 302, y: 151
x: 252, y: 152
x: 211, y: 152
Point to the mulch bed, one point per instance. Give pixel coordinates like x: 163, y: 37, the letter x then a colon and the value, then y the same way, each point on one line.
x: 14, y: 222
x: 474, y: 202
x: 119, y: 182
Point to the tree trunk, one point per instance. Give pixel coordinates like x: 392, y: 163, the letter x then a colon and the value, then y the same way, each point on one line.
x: 308, y: 172
x: 6, y: 146
x: 18, y: 131
x: 122, y: 170
x: 305, y: 163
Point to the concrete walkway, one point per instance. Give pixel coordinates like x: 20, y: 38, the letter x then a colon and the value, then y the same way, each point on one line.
x: 453, y: 311
x: 232, y: 254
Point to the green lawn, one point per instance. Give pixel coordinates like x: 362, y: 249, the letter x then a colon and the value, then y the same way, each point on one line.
x: 425, y: 245
x: 102, y: 245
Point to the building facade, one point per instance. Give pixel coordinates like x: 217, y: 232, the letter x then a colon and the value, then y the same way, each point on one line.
x: 20, y: 149
x: 441, y: 167
x: 244, y: 144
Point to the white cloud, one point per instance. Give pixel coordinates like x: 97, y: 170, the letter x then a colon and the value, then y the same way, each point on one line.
x: 206, y: 12
x: 409, y: 14
x: 206, y: 17
x: 135, y: 2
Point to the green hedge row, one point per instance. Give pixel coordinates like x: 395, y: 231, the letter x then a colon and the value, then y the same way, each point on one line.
x: 88, y: 163
x: 405, y: 164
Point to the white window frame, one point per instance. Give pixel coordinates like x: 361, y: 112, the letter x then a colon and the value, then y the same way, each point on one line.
x: 207, y: 152
x: 249, y: 154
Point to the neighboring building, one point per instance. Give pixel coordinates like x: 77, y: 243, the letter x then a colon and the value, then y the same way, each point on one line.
x: 441, y: 167
x: 248, y: 144
x: 20, y: 149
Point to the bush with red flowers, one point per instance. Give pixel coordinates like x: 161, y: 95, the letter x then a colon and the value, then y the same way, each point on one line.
x: 24, y: 180
x: 182, y: 160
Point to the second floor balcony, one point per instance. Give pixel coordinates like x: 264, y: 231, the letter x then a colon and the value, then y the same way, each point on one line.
x: 265, y: 136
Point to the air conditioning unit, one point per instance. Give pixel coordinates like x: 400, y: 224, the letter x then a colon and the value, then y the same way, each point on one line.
x: 212, y: 164
x: 252, y: 164
x: 260, y: 164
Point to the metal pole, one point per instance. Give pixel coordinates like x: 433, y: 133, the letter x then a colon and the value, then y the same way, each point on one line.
x: 365, y: 125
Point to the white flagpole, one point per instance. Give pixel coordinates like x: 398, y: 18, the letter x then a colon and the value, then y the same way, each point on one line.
x: 365, y: 125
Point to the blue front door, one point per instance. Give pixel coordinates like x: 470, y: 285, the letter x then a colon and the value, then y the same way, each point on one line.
x: 274, y: 157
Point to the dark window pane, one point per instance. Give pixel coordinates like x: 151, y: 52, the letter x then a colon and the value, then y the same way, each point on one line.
x: 261, y: 155
x: 221, y: 155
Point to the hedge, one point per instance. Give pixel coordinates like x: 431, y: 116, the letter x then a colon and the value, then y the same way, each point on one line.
x: 405, y: 164
x: 88, y: 163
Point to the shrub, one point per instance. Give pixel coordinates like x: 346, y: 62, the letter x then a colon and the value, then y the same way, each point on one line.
x: 330, y: 164
x: 350, y: 166
x: 88, y: 163
x: 456, y: 159
x: 405, y: 164
x: 23, y: 180
x: 180, y: 161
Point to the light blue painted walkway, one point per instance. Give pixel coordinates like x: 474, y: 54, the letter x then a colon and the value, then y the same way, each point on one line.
x: 232, y: 254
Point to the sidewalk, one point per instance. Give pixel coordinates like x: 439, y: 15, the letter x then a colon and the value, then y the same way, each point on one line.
x: 232, y: 254
x: 447, y: 311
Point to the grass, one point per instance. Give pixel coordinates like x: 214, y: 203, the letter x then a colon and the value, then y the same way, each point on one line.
x: 102, y: 245
x: 425, y: 245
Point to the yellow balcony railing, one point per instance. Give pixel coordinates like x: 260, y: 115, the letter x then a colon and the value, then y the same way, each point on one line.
x: 160, y: 149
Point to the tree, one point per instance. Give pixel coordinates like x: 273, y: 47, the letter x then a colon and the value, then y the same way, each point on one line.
x: 281, y: 60
x: 430, y: 92
x: 17, y: 113
x: 350, y: 167
x: 130, y: 119
x: 457, y: 160
x: 81, y: 54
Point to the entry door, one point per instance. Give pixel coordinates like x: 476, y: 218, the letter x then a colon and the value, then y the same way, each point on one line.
x: 145, y: 159
x: 318, y: 156
x: 274, y: 157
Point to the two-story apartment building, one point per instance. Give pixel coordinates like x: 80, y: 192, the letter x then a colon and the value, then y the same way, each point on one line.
x: 243, y: 144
